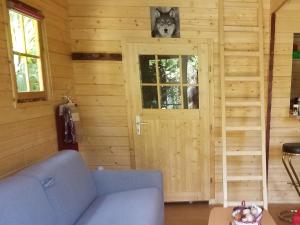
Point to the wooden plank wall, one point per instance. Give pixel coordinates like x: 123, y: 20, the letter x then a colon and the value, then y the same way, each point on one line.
x: 99, y: 26
x: 28, y: 133
x: 284, y: 128
x: 100, y: 93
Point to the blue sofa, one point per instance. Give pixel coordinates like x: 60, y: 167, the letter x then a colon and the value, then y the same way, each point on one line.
x: 62, y: 191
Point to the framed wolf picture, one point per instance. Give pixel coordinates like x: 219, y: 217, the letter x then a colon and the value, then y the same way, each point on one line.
x: 165, y: 22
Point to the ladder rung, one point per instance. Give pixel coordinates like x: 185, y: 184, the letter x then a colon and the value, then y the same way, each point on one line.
x: 238, y: 203
x: 246, y: 128
x: 243, y: 103
x: 242, y: 78
x: 243, y: 153
x: 244, y: 178
x: 241, y: 28
x: 241, y: 53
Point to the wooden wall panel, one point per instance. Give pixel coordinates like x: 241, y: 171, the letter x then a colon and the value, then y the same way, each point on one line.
x: 28, y: 133
x: 284, y: 128
x: 100, y: 26
x: 100, y: 93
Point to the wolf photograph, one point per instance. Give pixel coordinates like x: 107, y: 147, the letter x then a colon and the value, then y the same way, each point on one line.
x: 165, y: 22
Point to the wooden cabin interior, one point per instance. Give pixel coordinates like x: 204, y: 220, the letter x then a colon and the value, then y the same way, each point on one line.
x: 210, y: 106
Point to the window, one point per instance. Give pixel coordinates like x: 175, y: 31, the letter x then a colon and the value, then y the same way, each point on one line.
x: 27, y: 52
x: 295, y: 79
x: 169, y: 81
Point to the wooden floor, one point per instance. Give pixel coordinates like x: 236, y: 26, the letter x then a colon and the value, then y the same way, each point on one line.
x: 198, y: 213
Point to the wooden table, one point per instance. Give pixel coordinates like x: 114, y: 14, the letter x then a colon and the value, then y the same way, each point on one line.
x: 222, y: 216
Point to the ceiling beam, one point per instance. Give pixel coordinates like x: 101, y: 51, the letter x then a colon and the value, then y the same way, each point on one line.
x: 277, y: 4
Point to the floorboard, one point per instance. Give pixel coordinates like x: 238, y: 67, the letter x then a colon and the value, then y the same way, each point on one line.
x: 198, y: 213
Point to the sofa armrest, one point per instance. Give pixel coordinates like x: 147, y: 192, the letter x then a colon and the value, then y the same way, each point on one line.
x: 110, y: 181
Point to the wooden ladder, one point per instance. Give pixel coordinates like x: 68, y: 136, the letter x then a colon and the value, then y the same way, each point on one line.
x: 234, y: 27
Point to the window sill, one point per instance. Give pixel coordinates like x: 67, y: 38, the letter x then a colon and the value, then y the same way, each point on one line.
x: 24, y: 105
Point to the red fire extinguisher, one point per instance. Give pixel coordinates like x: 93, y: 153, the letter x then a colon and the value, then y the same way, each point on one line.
x: 67, y: 117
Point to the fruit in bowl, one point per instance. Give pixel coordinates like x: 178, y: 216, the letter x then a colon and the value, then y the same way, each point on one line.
x: 247, y: 215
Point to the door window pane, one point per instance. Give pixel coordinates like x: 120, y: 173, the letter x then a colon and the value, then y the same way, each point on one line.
x: 191, y: 97
x: 190, y: 69
x: 169, y: 69
x: 170, y: 98
x: 150, y: 97
x: 148, y: 68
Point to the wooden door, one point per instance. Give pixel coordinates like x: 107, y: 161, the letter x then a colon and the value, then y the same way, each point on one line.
x: 168, y: 92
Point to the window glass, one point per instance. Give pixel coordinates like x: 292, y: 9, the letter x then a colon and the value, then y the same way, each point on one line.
x: 150, y: 97
x: 21, y: 71
x: 170, y: 98
x: 148, y: 68
x: 190, y: 69
x: 31, y: 36
x: 177, y: 86
x: 34, y: 71
x: 17, y: 31
x: 169, y: 70
x: 191, y: 97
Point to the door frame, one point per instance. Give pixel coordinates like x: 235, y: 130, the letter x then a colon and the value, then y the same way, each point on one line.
x: 211, y: 111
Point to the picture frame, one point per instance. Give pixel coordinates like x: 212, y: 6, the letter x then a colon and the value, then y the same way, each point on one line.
x: 165, y: 22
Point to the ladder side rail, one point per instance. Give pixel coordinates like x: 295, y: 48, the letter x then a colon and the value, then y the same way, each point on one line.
x: 262, y: 99
x: 222, y: 75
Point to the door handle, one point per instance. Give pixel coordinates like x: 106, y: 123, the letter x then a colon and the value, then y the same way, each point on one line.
x: 138, y: 124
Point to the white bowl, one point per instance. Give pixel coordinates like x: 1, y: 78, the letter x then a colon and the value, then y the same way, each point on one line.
x: 257, y: 217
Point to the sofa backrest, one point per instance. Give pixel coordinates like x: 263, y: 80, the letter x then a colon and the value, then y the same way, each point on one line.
x: 68, y: 184
x: 23, y: 202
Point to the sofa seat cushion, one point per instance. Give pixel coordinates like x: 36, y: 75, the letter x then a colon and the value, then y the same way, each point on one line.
x: 68, y: 184
x: 23, y: 202
x: 140, y: 206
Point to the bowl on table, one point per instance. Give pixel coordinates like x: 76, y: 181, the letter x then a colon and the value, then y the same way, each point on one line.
x: 247, y: 215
